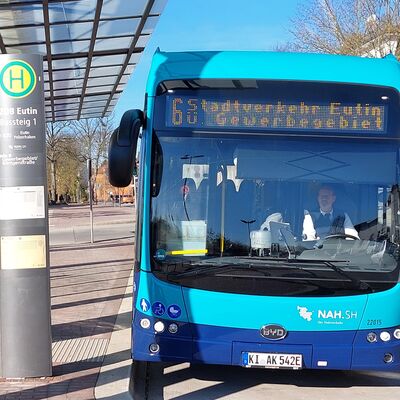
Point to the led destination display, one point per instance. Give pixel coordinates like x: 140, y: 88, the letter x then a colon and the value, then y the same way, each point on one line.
x: 230, y: 113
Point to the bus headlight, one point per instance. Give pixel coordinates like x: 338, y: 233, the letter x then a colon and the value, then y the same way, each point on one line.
x: 385, y: 336
x: 371, y: 337
x: 145, y: 323
x: 159, y: 327
x: 396, y: 333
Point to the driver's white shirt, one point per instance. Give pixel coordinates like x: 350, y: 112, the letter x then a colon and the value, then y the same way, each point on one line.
x: 309, y: 232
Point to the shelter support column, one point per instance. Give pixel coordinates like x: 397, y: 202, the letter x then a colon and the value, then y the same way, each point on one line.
x: 25, y: 328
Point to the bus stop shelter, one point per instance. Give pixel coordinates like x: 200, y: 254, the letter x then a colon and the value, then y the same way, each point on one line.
x: 90, y: 48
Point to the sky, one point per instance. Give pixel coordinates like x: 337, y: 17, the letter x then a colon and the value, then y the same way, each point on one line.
x: 187, y: 25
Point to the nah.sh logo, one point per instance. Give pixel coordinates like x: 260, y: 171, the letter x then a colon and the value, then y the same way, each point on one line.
x: 304, y: 313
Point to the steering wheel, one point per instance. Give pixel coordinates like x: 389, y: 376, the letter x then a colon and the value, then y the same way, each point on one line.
x: 341, y: 236
x: 321, y: 242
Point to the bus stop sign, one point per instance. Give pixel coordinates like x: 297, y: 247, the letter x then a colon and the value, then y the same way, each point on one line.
x: 25, y: 348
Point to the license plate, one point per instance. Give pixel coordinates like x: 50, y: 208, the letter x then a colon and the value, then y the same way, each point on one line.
x: 272, y: 360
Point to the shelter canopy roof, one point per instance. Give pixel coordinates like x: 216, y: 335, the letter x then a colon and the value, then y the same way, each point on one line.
x: 90, y: 48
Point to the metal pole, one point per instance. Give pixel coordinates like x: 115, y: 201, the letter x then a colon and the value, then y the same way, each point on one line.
x: 135, y: 186
x: 89, y: 166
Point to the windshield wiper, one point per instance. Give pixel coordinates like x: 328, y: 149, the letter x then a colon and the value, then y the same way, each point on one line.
x: 216, y: 265
x: 201, y: 269
x: 223, y: 264
x: 225, y: 268
x: 362, y: 285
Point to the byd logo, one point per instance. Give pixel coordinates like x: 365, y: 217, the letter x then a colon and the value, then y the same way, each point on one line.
x: 17, y: 79
x: 273, y: 332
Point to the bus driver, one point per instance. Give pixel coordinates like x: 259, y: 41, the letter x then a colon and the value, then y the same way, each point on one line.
x: 327, y: 220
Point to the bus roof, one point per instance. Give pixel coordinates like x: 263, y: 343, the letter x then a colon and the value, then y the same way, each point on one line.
x: 272, y: 65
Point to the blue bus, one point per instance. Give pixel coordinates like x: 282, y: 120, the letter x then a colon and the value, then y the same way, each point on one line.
x: 239, y: 154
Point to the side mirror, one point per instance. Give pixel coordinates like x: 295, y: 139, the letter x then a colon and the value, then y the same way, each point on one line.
x: 122, y: 148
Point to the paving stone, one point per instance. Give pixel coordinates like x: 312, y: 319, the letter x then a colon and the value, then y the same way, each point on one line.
x: 87, y: 285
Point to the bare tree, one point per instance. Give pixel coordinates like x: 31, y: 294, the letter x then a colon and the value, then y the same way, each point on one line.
x: 359, y: 27
x: 55, y: 138
x: 93, y: 136
x: 68, y: 170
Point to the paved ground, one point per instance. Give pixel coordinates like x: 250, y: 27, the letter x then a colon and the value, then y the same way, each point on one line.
x: 78, y: 216
x: 211, y: 382
x: 88, y: 282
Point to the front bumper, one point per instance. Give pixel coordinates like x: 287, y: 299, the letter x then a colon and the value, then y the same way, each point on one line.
x: 343, y: 350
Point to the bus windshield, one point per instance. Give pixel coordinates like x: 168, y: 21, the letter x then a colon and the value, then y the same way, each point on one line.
x: 242, y: 211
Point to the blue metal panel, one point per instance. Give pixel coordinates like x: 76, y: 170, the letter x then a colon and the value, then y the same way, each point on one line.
x: 370, y: 355
x: 152, y: 290
x: 147, y: 139
x: 217, y: 345
x: 300, y: 314
x: 207, y: 332
x: 212, y: 351
x: 251, y: 312
x: 335, y: 355
x: 378, y: 312
x: 173, y: 346
x: 270, y: 65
